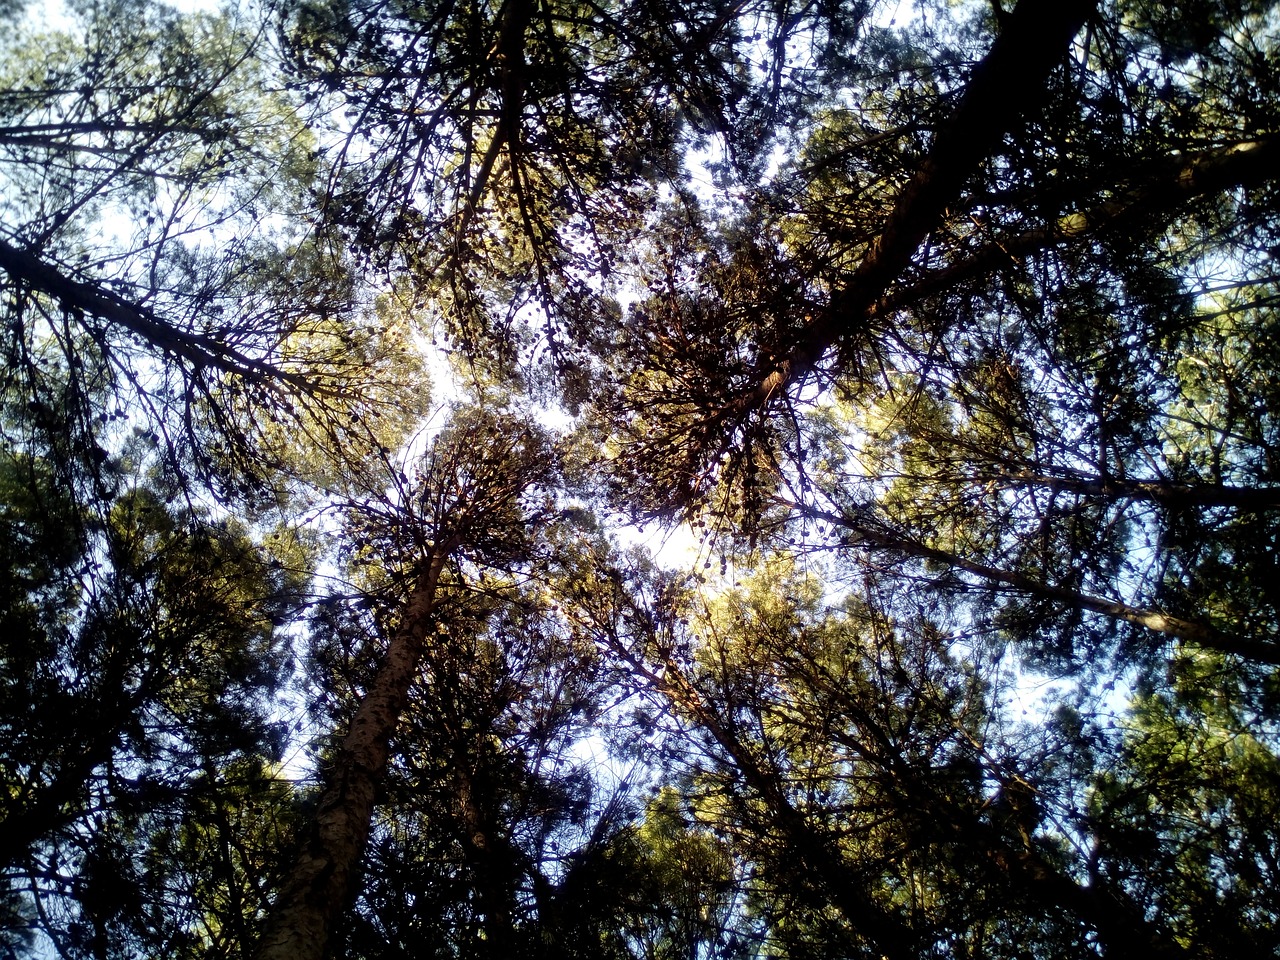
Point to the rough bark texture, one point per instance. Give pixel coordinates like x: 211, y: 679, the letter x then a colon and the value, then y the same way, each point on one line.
x: 323, y: 880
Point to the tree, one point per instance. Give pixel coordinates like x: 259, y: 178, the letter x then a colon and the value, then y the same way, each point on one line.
x: 887, y: 804
x: 494, y: 833
x: 949, y: 338
x: 503, y: 154
x: 480, y: 491
x: 156, y: 182
x: 1008, y: 420
x: 140, y: 654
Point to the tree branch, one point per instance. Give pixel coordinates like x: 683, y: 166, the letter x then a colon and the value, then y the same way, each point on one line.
x: 1194, y: 632
x: 1166, y: 184
x: 199, y: 350
x: 1169, y: 493
x: 1008, y: 83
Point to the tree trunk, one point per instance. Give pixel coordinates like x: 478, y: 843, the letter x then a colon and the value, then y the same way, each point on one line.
x: 1008, y: 83
x: 323, y: 880
x: 492, y: 863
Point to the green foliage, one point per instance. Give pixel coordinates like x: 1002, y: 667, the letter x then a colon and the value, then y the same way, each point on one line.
x: 950, y: 335
x: 1182, y: 820
x: 138, y: 662
x: 157, y: 184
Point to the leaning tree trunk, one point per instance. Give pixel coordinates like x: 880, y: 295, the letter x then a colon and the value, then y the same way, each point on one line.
x: 323, y: 879
x: 1009, y: 83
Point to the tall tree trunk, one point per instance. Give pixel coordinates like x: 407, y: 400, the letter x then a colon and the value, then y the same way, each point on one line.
x: 323, y: 880
x: 1009, y: 83
x: 493, y: 866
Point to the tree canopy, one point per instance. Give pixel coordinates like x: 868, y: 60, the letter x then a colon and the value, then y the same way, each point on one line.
x: 640, y: 479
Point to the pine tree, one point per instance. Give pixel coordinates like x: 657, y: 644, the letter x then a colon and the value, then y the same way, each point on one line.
x: 948, y: 333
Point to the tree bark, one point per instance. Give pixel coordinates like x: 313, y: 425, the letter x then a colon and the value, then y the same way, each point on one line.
x: 492, y: 862
x: 323, y: 879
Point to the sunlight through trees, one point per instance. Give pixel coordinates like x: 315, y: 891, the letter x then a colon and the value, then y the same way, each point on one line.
x: 354, y: 349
